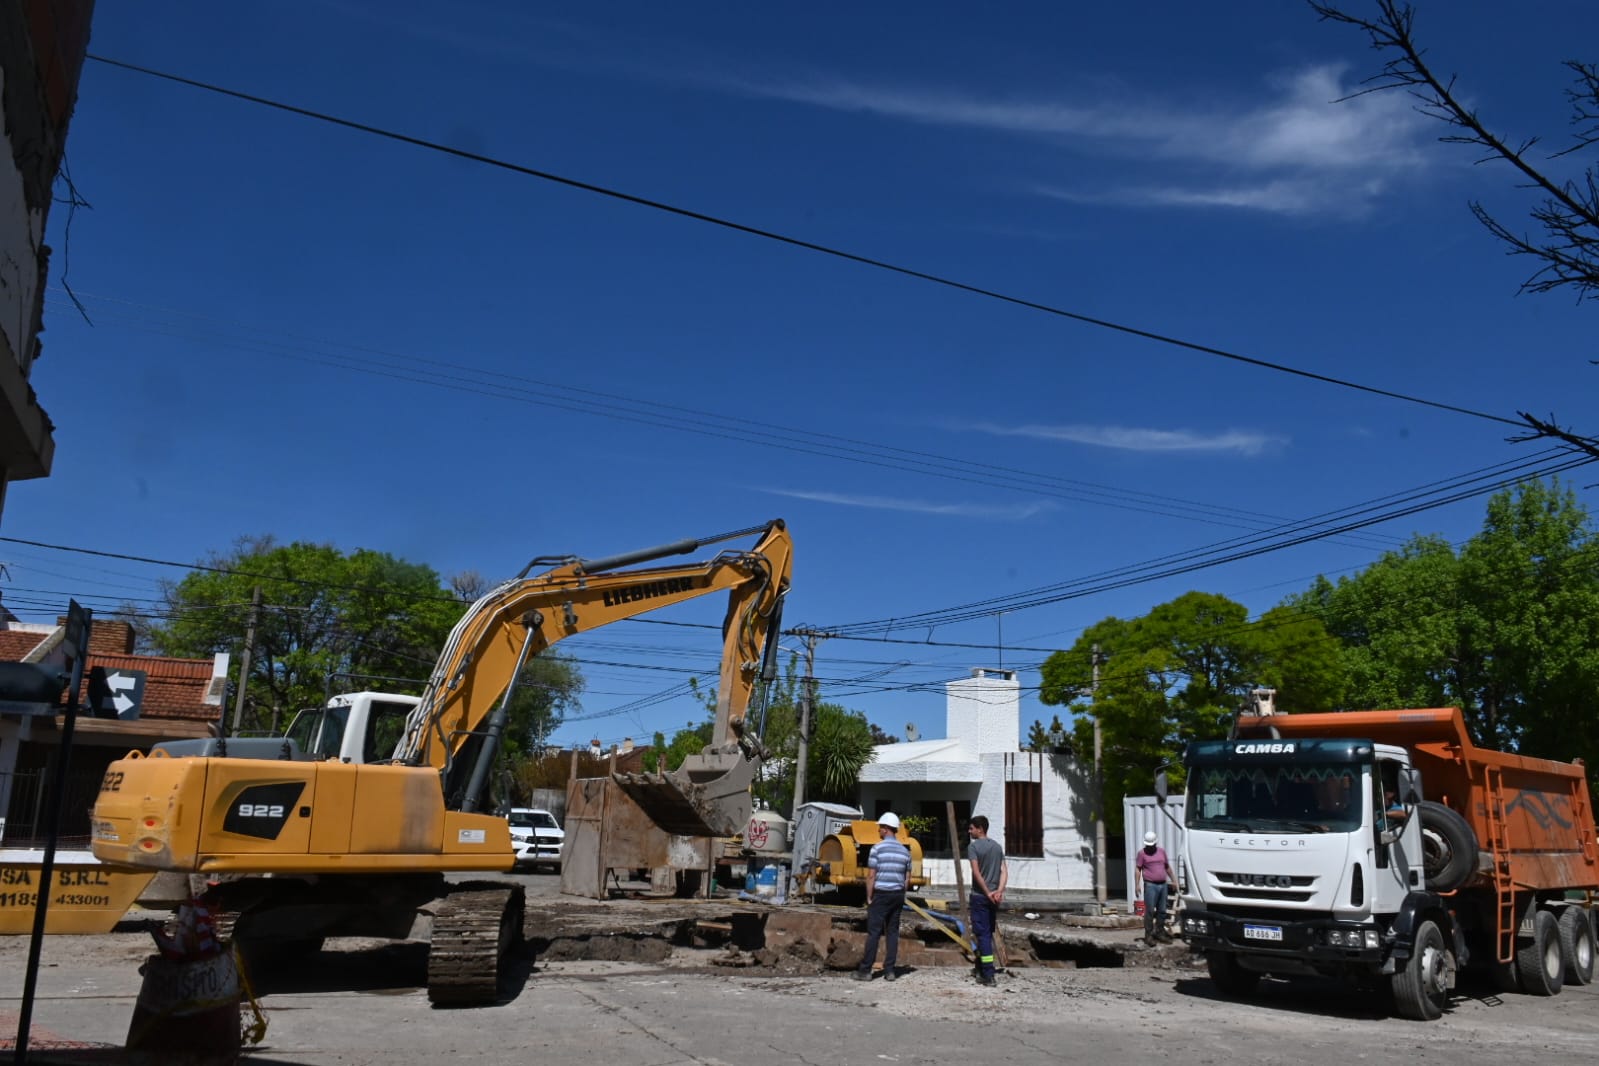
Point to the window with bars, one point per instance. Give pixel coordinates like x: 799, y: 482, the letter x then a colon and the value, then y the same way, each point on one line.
x: 1024, y: 819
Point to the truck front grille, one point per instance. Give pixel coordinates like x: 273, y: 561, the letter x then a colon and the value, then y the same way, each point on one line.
x: 1285, y: 888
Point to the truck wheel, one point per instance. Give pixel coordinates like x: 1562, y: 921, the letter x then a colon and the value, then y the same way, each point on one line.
x: 1538, y: 960
x: 1448, y: 847
x: 1229, y: 977
x: 1576, y: 945
x: 1421, y: 989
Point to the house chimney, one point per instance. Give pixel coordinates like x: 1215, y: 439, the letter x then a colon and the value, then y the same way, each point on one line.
x: 108, y: 636
x: 627, y: 745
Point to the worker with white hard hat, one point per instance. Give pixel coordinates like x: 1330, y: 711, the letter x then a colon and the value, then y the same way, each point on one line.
x: 888, y: 872
x: 1152, y: 872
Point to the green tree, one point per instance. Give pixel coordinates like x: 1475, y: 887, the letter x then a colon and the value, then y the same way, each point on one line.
x: 548, y: 687
x: 1507, y: 629
x: 1530, y: 581
x: 323, y: 613
x: 1176, y: 674
x: 690, y: 740
x: 840, y: 746
x: 1398, y: 628
x: 1039, y: 738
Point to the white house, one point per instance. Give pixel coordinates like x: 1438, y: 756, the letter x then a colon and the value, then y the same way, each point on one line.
x: 1036, y: 803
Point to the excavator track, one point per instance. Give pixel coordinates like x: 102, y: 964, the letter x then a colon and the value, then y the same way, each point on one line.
x: 474, y: 930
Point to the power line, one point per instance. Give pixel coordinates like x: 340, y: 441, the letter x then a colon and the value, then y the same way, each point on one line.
x: 796, y: 242
x: 441, y: 374
x: 1177, y: 564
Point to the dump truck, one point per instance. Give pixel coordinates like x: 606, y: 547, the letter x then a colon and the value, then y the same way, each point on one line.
x: 1387, y: 848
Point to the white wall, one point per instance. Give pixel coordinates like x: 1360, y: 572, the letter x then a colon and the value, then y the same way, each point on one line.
x: 1068, y: 860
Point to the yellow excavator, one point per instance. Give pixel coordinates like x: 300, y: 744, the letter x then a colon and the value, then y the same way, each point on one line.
x: 304, y: 847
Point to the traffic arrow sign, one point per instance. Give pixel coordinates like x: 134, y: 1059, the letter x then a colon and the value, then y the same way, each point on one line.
x: 116, y: 693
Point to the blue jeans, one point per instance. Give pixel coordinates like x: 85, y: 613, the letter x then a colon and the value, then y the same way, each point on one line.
x: 882, y: 916
x: 1154, y: 909
x: 985, y: 916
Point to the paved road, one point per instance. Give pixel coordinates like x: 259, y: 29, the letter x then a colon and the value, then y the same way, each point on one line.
x: 684, y: 1011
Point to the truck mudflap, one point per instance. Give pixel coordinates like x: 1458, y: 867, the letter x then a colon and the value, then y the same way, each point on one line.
x: 1319, y: 940
x: 708, y: 796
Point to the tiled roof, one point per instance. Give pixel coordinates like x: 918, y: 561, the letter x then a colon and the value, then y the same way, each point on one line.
x: 14, y: 645
x: 173, y: 688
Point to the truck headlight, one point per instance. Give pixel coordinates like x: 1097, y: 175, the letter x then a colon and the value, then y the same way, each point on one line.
x: 1196, y: 925
x: 1351, y: 938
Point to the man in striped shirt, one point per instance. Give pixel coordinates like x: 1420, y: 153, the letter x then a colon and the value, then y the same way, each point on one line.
x: 888, y: 872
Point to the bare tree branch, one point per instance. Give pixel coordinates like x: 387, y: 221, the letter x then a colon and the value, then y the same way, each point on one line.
x: 1569, y: 214
x: 1545, y: 428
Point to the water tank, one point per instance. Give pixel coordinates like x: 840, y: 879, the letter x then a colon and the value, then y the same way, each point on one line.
x: 766, y: 833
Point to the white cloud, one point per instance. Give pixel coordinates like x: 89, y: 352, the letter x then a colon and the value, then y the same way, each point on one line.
x: 1014, y: 513
x: 1301, y: 145
x: 1301, y: 149
x: 1142, y: 440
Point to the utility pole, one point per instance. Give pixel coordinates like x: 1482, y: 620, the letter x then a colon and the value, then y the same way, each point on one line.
x: 244, y: 660
x: 807, y: 709
x: 1099, y: 788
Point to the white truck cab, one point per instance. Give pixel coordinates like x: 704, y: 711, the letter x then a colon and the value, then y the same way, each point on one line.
x: 1299, y: 856
x: 356, y: 727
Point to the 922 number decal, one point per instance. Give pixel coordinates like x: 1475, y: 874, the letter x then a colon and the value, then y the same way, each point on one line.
x: 260, y: 810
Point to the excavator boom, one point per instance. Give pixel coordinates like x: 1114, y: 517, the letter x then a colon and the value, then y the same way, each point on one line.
x: 469, y: 687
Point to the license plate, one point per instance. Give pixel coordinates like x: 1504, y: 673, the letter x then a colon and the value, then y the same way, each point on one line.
x: 1263, y: 932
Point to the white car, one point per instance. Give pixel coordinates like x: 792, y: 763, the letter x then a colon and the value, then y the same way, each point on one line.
x: 537, y: 838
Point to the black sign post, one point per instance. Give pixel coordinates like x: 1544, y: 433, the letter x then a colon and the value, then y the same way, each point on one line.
x: 75, y: 646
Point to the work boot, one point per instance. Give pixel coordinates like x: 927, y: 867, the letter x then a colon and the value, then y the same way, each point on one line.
x: 863, y: 975
x: 986, y: 979
x: 890, y: 975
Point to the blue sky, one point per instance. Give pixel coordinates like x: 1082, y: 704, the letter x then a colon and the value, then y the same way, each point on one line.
x: 308, y: 331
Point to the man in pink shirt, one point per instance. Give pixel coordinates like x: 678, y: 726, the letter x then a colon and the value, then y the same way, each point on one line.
x: 1152, y: 873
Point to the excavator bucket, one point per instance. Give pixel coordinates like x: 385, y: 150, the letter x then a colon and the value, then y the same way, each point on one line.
x: 708, y: 796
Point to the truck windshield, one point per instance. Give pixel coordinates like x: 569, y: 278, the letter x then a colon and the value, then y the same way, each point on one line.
x: 1264, y: 797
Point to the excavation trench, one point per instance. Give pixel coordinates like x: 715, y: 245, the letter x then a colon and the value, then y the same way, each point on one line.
x: 795, y: 939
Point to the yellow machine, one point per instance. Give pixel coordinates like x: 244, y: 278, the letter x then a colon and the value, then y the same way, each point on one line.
x: 841, y: 859
x: 353, y: 849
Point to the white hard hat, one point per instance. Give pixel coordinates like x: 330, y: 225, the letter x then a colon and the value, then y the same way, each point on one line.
x: 1149, y: 837
x: 890, y: 819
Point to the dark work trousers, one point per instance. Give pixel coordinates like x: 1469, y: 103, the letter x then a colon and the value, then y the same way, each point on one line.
x: 882, y: 915
x: 1154, y: 909
x: 985, y: 916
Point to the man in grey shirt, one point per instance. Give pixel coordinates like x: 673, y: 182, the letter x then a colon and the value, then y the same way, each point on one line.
x: 990, y: 874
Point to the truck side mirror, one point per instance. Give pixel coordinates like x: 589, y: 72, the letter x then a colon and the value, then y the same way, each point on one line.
x: 1162, y: 787
x: 1409, y: 786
